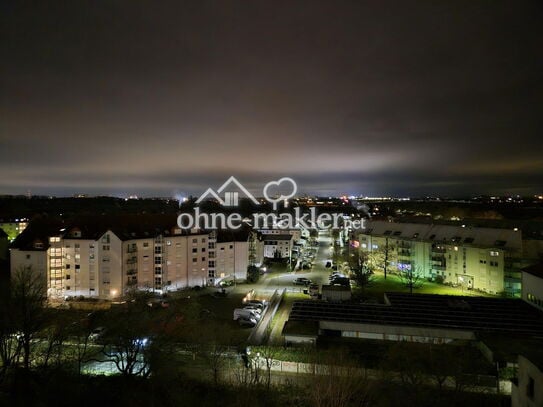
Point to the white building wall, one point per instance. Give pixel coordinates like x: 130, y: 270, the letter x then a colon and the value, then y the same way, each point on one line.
x: 110, y: 266
x: 76, y: 267
x: 37, y: 259
x: 528, y: 392
x: 532, y: 290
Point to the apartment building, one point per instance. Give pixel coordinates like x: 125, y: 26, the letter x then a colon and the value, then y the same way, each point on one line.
x: 103, y: 257
x: 278, y: 245
x: 484, y: 259
x: 532, y: 285
x: 231, y: 252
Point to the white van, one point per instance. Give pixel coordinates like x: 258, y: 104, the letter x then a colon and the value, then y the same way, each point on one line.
x: 245, y: 313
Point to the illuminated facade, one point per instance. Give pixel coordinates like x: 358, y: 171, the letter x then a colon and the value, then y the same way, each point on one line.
x: 473, y: 258
x: 105, y: 263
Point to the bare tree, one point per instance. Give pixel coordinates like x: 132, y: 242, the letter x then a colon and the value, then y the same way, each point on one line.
x: 127, y: 338
x: 338, y: 382
x: 360, y: 271
x: 411, y: 277
x: 80, y: 333
x: 10, y: 339
x: 268, y: 355
x: 28, y: 298
x: 52, y: 339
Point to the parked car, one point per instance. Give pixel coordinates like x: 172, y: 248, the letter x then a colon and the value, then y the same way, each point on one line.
x: 256, y: 303
x: 254, y: 308
x: 302, y: 281
x: 97, y: 333
x: 245, y: 313
x: 247, y: 322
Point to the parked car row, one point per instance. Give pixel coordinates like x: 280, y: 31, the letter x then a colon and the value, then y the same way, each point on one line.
x: 250, y: 314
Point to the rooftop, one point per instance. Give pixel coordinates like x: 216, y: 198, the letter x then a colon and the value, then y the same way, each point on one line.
x: 478, y: 237
x: 478, y: 314
x: 535, y: 270
x: 126, y: 227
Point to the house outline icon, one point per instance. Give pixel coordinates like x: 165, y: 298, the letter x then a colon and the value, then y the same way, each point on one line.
x: 230, y: 198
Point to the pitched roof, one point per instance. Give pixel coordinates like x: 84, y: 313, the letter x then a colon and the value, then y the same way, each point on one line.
x: 228, y: 235
x: 126, y: 227
x: 478, y: 237
x: 38, y: 231
x: 534, y: 270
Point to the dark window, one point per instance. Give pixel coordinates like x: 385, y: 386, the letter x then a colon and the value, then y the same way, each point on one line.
x: 530, y: 388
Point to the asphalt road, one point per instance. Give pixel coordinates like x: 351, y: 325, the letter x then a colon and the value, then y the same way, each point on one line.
x: 318, y: 274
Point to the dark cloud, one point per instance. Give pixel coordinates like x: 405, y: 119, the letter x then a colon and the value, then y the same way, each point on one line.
x: 347, y: 97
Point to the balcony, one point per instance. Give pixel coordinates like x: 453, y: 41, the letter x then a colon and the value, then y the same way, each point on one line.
x: 404, y: 244
x: 440, y: 267
x: 404, y: 253
x: 132, y: 260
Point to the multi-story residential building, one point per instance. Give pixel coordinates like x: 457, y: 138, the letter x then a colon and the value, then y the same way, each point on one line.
x: 31, y: 248
x: 532, y: 285
x: 297, y: 234
x: 278, y: 245
x: 485, y: 259
x: 13, y: 227
x: 104, y: 257
x: 231, y: 253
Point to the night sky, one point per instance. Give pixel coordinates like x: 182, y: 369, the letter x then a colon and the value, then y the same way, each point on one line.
x: 159, y: 98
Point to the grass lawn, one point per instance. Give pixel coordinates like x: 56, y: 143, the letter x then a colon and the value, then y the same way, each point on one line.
x: 379, y: 286
x: 215, y: 316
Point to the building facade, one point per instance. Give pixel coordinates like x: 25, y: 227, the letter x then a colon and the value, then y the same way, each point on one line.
x: 532, y: 285
x: 483, y: 259
x: 94, y: 260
